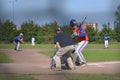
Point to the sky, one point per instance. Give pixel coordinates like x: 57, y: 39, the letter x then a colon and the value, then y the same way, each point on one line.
x: 62, y: 11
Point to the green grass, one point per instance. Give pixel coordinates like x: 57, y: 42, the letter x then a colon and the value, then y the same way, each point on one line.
x: 15, y: 77
x: 37, y: 46
x: 25, y: 46
x: 95, y: 55
x: 101, y: 55
x: 111, y: 45
x: 4, y: 58
x: 63, y: 76
x: 93, y: 77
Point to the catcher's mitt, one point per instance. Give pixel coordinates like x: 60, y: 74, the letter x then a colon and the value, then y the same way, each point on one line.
x: 21, y: 41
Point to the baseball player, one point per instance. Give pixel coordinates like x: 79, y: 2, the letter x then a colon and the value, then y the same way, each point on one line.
x: 63, y: 58
x: 18, y: 40
x: 82, y: 38
x: 65, y: 47
x: 52, y: 62
x: 106, y: 38
x: 33, y: 41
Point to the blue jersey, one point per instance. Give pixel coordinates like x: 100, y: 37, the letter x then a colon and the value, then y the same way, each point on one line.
x: 17, y: 39
x: 106, y: 37
x: 82, y: 33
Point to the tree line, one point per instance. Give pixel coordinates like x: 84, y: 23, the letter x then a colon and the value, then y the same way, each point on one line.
x: 45, y: 33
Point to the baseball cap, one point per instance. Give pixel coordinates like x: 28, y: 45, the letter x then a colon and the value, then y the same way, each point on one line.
x: 21, y: 34
x: 58, y: 29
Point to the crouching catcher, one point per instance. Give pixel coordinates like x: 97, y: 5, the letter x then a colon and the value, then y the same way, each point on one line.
x: 65, y: 47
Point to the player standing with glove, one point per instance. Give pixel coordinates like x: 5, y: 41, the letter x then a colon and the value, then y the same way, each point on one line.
x: 82, y: 38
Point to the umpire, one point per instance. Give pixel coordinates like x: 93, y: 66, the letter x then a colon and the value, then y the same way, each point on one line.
x: 65, y: 47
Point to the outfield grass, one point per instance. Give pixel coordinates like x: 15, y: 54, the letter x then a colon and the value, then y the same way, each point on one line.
x: 101, y: 55
x: 25, y: 46
x: 4, y: 58
x: 95, y: 55
x: 93, y: 77
x: 111, y: 45
x: 15, y: 77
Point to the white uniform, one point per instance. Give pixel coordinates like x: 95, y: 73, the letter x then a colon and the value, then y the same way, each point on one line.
x: 33, y: 41
x: 79, y: 47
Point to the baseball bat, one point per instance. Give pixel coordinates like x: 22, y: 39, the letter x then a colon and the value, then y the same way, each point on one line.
x: 84, y: 19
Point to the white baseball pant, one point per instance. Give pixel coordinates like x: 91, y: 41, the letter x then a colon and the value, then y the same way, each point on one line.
x: 17, y: 45
x: 106, y: 43
x: 78, y: 50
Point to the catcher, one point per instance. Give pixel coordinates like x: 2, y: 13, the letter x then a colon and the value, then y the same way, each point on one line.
x: 65, y: 47
x: 64, y: 64
x: 18, y: 40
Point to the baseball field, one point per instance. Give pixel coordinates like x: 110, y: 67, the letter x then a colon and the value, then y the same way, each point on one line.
x: 32, y: 63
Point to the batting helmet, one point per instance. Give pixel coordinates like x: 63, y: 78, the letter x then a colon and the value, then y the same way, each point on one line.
x: 73, y: 23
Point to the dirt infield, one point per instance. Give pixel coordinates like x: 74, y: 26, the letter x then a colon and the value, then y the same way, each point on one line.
x: 28, y: 61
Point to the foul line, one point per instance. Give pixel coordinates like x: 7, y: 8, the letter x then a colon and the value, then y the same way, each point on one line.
x: 100, y: 64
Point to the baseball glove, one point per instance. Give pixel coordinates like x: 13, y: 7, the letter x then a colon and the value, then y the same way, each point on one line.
x: 21, y: 41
